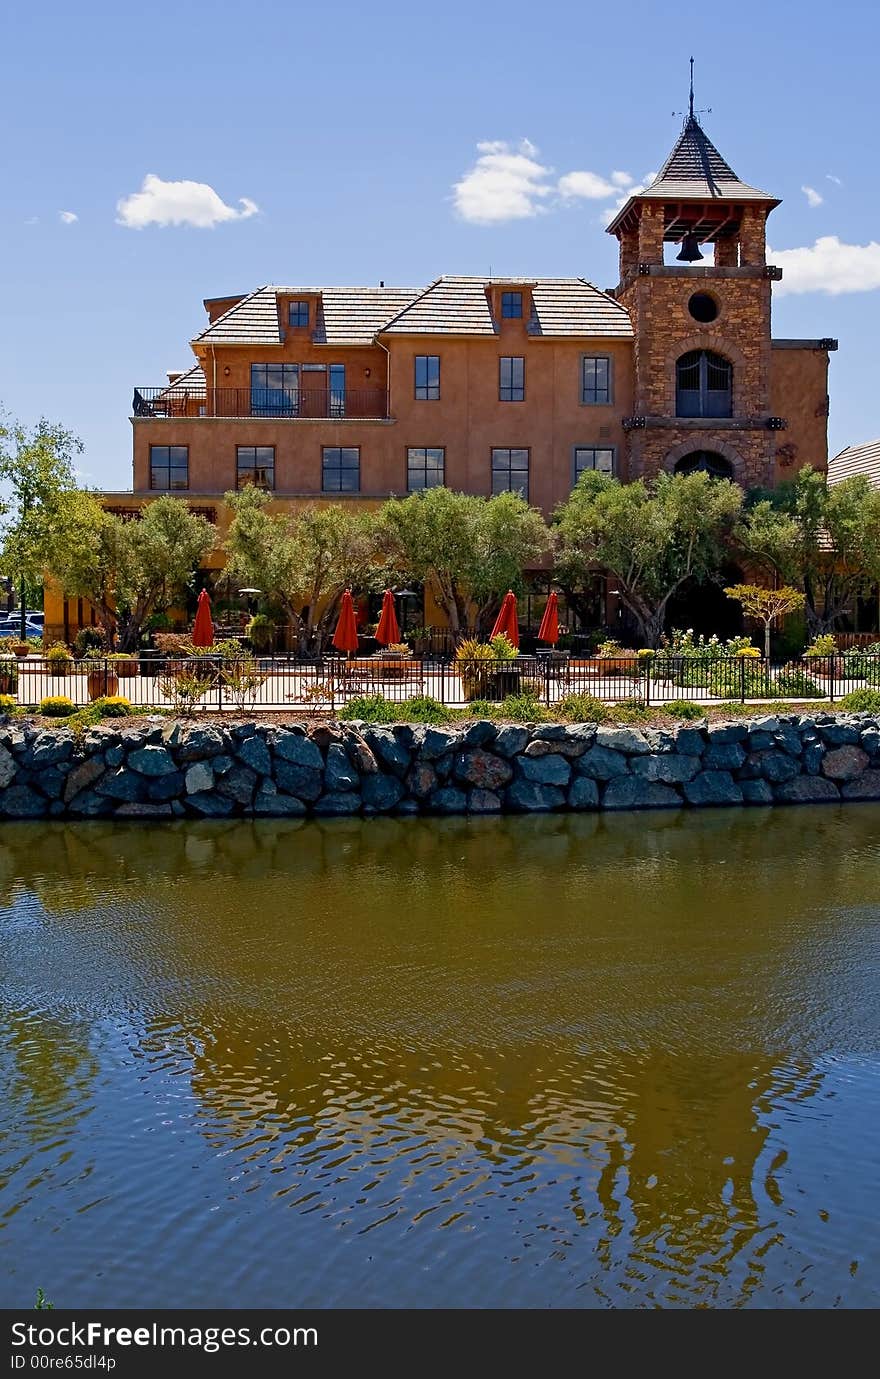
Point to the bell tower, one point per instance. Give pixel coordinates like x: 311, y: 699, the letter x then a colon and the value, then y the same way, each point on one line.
x: 702, y: 330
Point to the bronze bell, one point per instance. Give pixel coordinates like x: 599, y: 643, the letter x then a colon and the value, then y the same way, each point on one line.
x: 690, y: 250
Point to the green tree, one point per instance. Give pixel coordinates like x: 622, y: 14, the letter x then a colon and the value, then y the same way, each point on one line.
x: 36, y: 472
x: 824, y: 539
x: 651, y: 537
x: 302, y: 561
x: 469, y: 550
x: 766, y: 605
x: 129, y: 569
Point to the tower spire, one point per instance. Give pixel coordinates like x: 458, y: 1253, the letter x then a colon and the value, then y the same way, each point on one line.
x: 691, y: 102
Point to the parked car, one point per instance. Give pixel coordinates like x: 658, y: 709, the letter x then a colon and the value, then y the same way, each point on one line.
x: 11, y: 627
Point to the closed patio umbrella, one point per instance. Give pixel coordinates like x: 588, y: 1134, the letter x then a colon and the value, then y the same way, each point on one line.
x: 549, y: 629
x: 345, y: 638
x: 507, y: 620
x: 388, y: 630
x: 203, y: 627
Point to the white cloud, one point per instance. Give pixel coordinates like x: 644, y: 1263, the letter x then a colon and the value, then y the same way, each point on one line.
x: 587, y: 184
x: 178, y: 203
x: 828, y: 266
x: 68, y: 217
x: 505, y: 183
x: 621, y: 179
x: 814, y: 198
x: 32, y: 220
x: 632, y: 189
x: 836, y: 180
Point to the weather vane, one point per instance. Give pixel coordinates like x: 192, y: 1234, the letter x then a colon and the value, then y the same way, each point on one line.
x: 692, y: 114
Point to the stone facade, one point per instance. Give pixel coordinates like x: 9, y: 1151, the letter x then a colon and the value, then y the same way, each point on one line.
x: 174, y: 771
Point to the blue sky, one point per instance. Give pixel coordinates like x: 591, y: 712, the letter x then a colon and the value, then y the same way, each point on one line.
x: 335, y: 136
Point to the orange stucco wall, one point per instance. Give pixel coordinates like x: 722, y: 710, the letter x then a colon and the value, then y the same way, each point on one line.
x: 799, y: 393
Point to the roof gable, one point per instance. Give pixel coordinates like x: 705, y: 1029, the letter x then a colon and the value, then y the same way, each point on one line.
x: 560, y: 307
x: 856, y: 459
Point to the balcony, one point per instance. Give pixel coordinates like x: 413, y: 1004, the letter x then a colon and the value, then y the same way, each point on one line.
x: 303, y: 404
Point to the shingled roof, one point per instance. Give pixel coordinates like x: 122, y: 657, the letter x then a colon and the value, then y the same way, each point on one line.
x: 856, y: 459
x: 560, y: 307
x: 695, y: 168
x: 347, y: 315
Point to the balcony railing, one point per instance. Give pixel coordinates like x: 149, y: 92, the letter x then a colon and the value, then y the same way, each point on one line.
x: 306, y: 404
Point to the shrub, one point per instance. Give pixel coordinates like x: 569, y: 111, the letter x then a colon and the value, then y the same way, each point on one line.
x: 88, y: 639
x: 113, y: 706
x: 610, y: 648
x: 523, y: 708
x: 8, y: 703
x: 584, y: 708
x: 424, y: 709
x: 794, y: 684
x: 736, y: 677
x: 242, y: 680
x: 861, y: 701
x: 685, y: 709
x: 372, y: 708
x: 862, y: 663
x: 825, y: 645
x: 186, y: 687
x: 503, y: 648
x: 171, y: 643
x: 56, y: 706
x: 634, y: 712
x: 375, y: 708
x: 260, y: 632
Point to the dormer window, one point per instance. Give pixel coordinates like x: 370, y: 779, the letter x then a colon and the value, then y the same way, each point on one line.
x: 511, y: 306
x: 298, y: 314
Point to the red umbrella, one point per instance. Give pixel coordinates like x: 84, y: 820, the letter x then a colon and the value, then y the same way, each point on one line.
x: 507, y: 620
x: 345, y: 638
x: 549, y: 629
x: 203, y: 627
x: 388, y: 630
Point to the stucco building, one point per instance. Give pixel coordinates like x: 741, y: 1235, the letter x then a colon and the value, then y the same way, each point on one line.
x: 352, y: 394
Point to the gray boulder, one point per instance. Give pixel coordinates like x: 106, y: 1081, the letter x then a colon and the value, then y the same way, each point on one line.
x: 337, y: 804
x: 551, y: 770
x: 843, y: 763
x: 756, y: 792
x: 18, y: 802
x: 294, y: 747
x: 672, y: 768
x: 484, y: 802
x: 482, y: 769
x: 298, y: 780
x: 152, y: 761
x: 602, y: 763
x: 339, y: 774
x: 511, y: 740
x: 380, y: 791
x: 197, y: 743
x: 623, y: 740
x: 724, y: 756
x: 531, y: 796
x: 238, y: 784
x: 864, y: 787
x: 713, y: 787
x: 807, y: 790
x: 393, y: 755
x: 199, y: 777
x: 122, y: 784
x: 634, y: 792
x: 254, y: 753
x: 479, y: 734
x: 448, y: 800
x: 583, y: 793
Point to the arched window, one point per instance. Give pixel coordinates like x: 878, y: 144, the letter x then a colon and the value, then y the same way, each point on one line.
x: 705, y: 462
x: 703, y: 385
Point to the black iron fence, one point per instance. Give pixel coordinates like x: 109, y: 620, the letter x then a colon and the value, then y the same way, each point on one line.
x: 188, y: 684
x: 318, y: 403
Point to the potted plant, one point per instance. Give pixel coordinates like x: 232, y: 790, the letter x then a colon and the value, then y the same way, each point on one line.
x: 474, y: 661
x: 394, y: 657
x: 505, y: 676
x: 820, y: 653
x: 21, y: 649
x: 59, y: 658
x: 8, y: 675
x: 102, y: 680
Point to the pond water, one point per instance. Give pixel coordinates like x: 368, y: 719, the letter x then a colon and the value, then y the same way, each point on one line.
x: 546, y: 1061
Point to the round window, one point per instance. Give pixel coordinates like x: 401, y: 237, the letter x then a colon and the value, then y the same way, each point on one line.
x: 703, y: 307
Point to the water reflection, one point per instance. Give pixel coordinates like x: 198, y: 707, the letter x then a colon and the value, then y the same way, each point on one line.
x: 552, y: 1061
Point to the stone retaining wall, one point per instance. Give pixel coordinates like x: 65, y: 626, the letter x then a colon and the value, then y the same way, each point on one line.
x: 172, y: 770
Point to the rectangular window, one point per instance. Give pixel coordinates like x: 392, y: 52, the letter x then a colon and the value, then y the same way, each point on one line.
x: 298, y: 314
x: 275, y: 390
x: 510, y: 472
x: 424, y: 467
x: 169, y: 466
x: 511, y: 306
x: 512, y: 379
x: 340, y: 469
x: 427, y: 377
x: 596, y: 380
x: 255, y: 464
x: 337, y: 390
x: 593, y: 457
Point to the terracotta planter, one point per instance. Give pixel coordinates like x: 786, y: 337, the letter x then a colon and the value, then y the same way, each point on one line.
x: 126, y: 669
x: 101, y: 682
x: 8, y: 683
x: 21, y: 649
